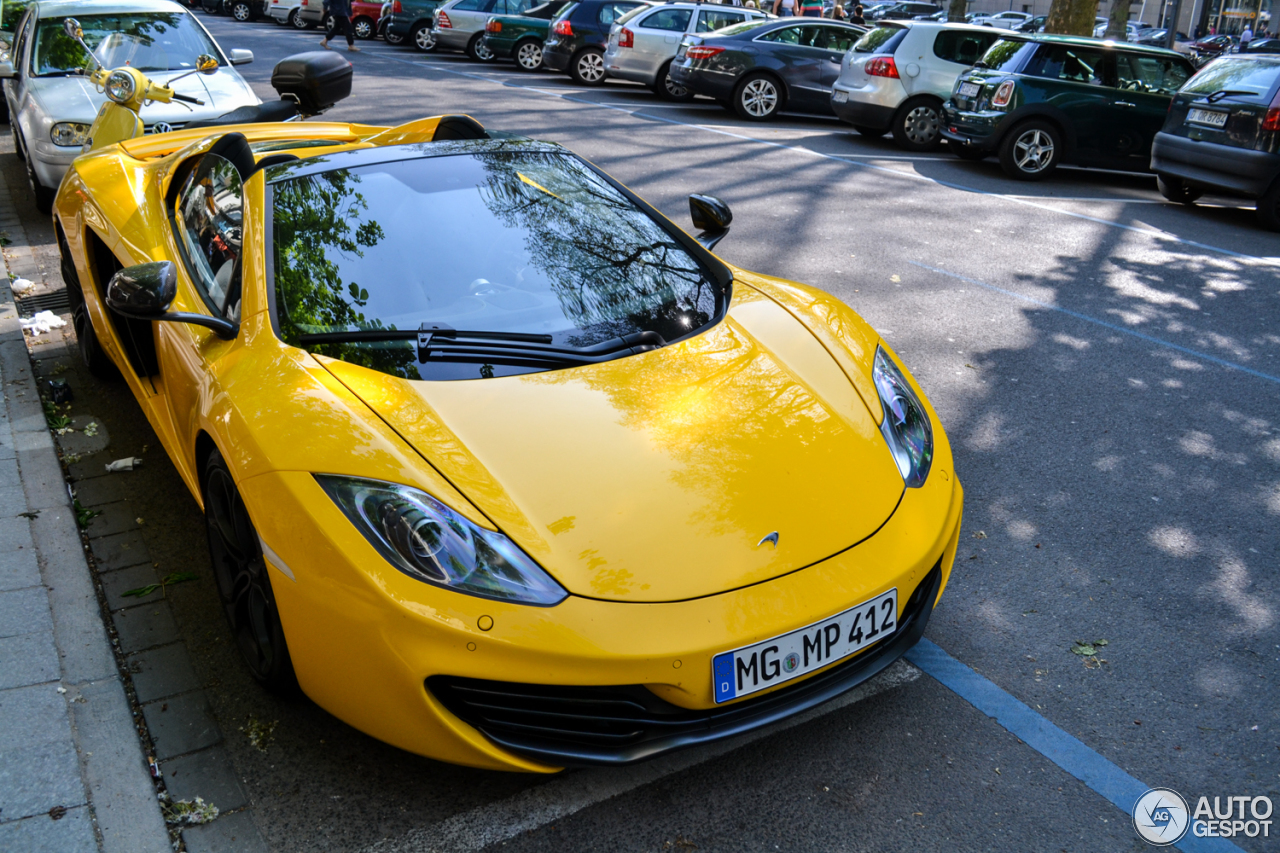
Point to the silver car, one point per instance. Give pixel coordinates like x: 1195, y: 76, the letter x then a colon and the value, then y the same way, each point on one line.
x: 459, y: 25
x: 643, y: 42
x: 51, y: 105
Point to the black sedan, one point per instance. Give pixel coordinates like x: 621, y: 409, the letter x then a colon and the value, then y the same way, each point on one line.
x: 760, y: 68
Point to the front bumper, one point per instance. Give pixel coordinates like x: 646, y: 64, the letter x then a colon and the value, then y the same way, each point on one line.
x: 976, y: 130
x: 1239, y: 171
x: 366, y: 639
x: 52, y: 161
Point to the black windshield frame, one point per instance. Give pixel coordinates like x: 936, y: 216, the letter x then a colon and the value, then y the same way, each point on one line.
x: 717, y: 272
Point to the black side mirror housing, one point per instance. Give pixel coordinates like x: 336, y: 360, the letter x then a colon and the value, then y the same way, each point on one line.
x: 711, y: 216
x: 145, y: 292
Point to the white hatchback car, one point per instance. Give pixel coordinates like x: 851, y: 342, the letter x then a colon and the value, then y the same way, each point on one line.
x: 897, y: 76
x: 1003, y: 20
x: 643, y: 42
x: 51, y: 103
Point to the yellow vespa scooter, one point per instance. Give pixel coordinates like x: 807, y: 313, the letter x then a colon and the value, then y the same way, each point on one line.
x: 127, y: 90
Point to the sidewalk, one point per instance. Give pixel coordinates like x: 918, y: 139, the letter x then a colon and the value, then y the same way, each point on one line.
x: 72, y: 774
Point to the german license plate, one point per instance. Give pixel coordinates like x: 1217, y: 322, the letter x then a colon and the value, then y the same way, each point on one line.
x: 1213, y: 118
x: 969, y: 90
x: 757, y: 667
x: 839, y: 96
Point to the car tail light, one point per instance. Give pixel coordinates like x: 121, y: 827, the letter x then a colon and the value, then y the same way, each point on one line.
x: 562, y: 28
x: 626, y: 38
x: 703, y: 52
x: 882, y: 67
x: 396, y: 8
x: 1272, y: 119
x: 443, y: 22
x: 1003, y: 94
x: 492, y: 26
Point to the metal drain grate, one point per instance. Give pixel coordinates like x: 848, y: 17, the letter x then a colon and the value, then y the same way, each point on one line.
x: 56, y: 301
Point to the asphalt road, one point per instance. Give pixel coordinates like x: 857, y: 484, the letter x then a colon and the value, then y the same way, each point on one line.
x: 1107, y: 366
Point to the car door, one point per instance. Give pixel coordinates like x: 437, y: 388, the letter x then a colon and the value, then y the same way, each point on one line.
x: 834, y: 41
x: 1075, y: 81
x: 789, y: 51
x: 657, y: 37
x: 1144, y: 86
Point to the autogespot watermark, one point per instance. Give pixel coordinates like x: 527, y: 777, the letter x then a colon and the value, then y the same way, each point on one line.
x: 1162, y: 817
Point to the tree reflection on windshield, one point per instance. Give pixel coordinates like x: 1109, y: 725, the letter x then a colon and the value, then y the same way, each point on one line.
x: 150, y: 41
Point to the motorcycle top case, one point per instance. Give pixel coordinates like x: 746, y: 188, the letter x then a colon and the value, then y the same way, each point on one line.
x: 318, y: 79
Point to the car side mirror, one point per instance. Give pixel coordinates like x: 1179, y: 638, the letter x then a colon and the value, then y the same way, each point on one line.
x: 145, y: 292
x: 241, y: 56
x: 207, y: 64
x: 6, y: 70
x: 711, y: 216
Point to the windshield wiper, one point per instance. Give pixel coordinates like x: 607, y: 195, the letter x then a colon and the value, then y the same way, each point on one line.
x: 1223, y: 93
x: 507, y: 347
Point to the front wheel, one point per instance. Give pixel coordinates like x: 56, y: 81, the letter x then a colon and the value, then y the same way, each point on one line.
x: 1176, y: 191
x: 758, y: 97
x: 917, y: 125
x: 669, y: 89
x: 1031, y: 151
x: 423, y: 39
x: 528, y: 55
x: 478, y: 50
x: 363, y: 28
x: 95, y: 360
x: 243, y: 580
x: 587, y: 68
x: 241, y: 11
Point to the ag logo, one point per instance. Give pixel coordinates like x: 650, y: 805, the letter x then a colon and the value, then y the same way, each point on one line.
x: 1161, y: 816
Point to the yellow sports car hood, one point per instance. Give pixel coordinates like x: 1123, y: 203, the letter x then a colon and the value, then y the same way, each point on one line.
x: 661, y: 476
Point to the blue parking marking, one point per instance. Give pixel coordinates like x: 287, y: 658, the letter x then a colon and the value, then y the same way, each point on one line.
x: 1047, y: 739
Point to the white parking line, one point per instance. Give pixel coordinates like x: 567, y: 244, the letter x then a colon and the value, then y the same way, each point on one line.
x: 576, y: 790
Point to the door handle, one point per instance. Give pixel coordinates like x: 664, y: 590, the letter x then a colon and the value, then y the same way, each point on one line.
x: 1124, y: 104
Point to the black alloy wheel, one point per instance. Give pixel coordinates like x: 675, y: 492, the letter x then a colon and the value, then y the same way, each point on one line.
x: 528, y: 55
x: 243, y: 580
x: 95, y: 360
x: 363, y: 28
x: 870, y: 132
x: 1031, y: 151
x: 241, y: 11
x: 587, y: 68
x: 917, y: 126
x: 1176, y: 191
x: 668, y: 89
x: 423, y: 39
x: 758, y: 97
x: 1268, y: 209
x: 478, y: 50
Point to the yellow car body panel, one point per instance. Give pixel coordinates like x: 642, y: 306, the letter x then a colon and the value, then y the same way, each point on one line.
x: 662, y: 560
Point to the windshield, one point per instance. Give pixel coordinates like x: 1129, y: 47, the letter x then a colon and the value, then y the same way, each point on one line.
x: 1254, y: 76
x: 147, y: 41
x: 1004, y: 54
x: 533, y: 243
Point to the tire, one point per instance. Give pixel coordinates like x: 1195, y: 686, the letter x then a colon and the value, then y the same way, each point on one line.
x: 43, y: 195
x: 363, y: 28
x: 758, y: 97
x: 422, y: 38
x: 587, y: 67
x: 870, y: 132
x: 917, y: 125
x: 667, y: 89
x: 1031, y: 151
x: 243, y: 580
x: 528, y: 55
x: 1268, y: 209
x: 241, y: 11
x: 1176, y: 191
x: 478, y: 50
x: 95, y: 360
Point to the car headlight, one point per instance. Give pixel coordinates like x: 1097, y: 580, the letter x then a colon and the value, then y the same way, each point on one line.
x: 120, y: 86
x: 906, y: 425
x: 69, y: 133
x: 430, y: 542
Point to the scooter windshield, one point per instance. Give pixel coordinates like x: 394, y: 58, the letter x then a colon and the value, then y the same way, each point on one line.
x: 147, y: 41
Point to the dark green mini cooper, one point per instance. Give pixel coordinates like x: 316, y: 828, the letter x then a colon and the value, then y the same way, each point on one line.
x: 1039, y: 100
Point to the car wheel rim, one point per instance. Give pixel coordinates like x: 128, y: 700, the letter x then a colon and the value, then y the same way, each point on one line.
x: 674, y: 89
x: 363, y: 30
x: 591, y: 67
x: 529, y: 56
x: 240, y: 13
x: 759, y: 98
x: 921, y: 125
x: 482, y: 51
x: 240, y: 572
x: 298, y: 22
x: 1033, y: 151
x: 425, y: 39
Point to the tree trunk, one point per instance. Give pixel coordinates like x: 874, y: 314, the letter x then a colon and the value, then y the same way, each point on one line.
x: 956, y: 11
x: 1118, y: 26
x: 1072, y: 17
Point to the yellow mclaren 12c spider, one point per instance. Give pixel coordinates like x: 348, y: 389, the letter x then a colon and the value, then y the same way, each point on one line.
x: 500, y: 465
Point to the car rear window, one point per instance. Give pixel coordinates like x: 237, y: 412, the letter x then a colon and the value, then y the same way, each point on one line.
x: 668, y: 19
x: 631, y: 15
x: 1006, y: 55
x: 1254, y: 76
x: 880, y: 40
x: 962, y: 46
